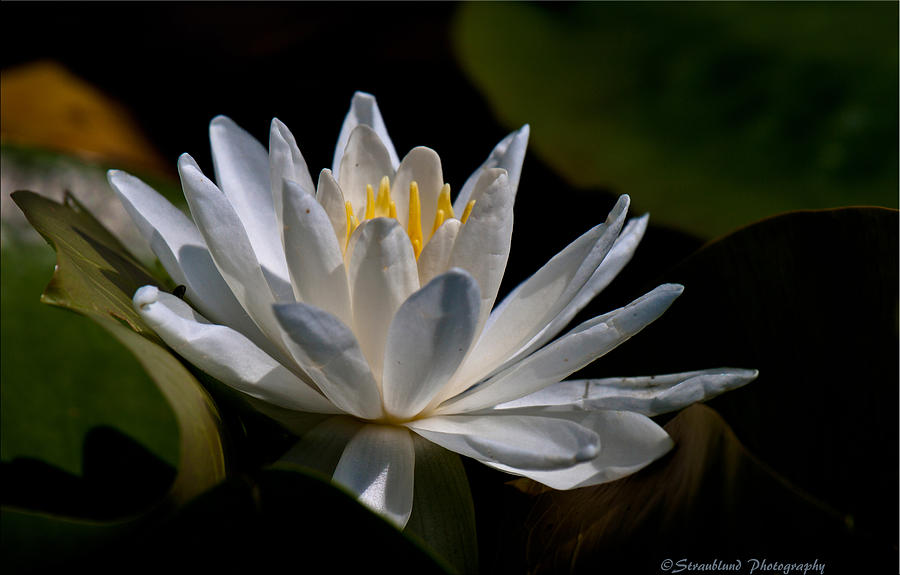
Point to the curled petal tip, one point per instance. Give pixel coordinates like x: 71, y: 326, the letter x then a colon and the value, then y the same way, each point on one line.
x: 145, y: 296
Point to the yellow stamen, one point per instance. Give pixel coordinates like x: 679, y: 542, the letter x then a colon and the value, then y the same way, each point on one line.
x: 414, y: 225
x: 383, y: 203
x: 467, y: 211
x: 438, y: 220
x: 444, y: 208
x: 370, y: 203
x: 444, y: 202
x: 352, y: 222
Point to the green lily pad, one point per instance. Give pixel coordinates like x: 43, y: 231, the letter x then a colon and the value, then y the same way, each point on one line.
x: 64, y: 376
x: 96, y: 276
x: 711, y: 115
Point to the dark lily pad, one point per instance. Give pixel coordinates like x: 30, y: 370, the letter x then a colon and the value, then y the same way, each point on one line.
x: 811, y: 300
x: 709, y: 499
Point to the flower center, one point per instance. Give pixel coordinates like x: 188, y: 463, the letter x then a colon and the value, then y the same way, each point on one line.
x: 382, y: 206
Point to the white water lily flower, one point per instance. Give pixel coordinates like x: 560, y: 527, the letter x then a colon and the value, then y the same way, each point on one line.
x: 372, y: 296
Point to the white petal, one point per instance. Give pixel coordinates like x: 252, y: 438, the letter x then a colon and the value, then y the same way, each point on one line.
x: 576, y: 349
x: 650, y: 395
x: 539, y: 299
x: 320, y: 447
x: 423, y: 166
x: 620, y: 254
x: 285, y: 163
x: 426, y: 341
x: 435, y: 257
x: 509, y: 155
x: 365, y: 162
x: 225, y: 354
x: 183, y: 253
x: 628, y: 443
x: 313, y: 254
x: 230, y: 247
x: 363, y: 111
x: 331, y: 198
x: 382, y: 274
x: 482, y: 245
x: 520, y: 441
x: 378, y: 466
x: 329, y: 353
x: 242, y: 171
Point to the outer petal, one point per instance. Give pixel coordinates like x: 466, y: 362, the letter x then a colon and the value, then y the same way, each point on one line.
x: 313, y: 254
x: 629, y: 442
x: 579, y: 347
x: 520, y: 441
x: 363, y: 111
x: 382, y: 274
x: 378, y: 465
x: 423, y: 166
x: 285, y: 163
x: 539, y: 299
x: 365, y: 162
x: 183, y: 253
x: 230, y: 247
x: 320, y: 447
x: 226, y: 354
x: 327, y: 350
x: 482, y: 246
x: 651, y: 395
x: 435, y: 257
x: 427, y: 339
x: 331, y: 198
x: 242, y: 171
x: 620, y: 254
x: 508, y: 155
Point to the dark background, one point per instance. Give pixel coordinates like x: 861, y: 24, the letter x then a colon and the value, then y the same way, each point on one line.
x: 176, y: 66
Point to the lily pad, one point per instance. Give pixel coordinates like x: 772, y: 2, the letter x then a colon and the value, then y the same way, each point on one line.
x: 63, y: 376
x: 96, y: 276
x: 710, y: 115
x: 811, y: 300
x: 276, y: 520
x: 709, y: 499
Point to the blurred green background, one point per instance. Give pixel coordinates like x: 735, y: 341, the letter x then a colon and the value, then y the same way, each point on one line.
x: 710, y: 115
